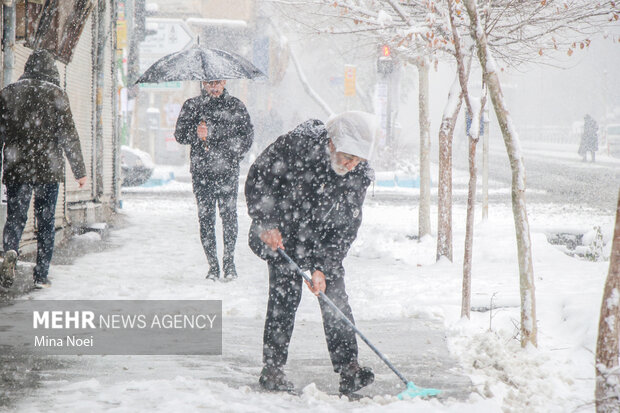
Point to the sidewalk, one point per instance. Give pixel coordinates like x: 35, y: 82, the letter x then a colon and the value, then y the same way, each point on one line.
x: 402, y: 298
x: 157, y: 255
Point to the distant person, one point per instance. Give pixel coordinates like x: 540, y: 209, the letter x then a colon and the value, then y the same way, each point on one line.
x: 36, y: 127
x: 217, y: 126
x: 305, y: 194
x: 589, y: 138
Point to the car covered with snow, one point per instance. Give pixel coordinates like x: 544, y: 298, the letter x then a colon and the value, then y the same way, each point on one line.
x: 136, y: 166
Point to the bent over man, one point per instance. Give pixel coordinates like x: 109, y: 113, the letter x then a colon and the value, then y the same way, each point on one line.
x: 305, y: 194
x: 217, y: 127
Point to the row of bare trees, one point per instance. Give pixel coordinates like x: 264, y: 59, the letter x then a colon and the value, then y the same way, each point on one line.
x: 493, y: 33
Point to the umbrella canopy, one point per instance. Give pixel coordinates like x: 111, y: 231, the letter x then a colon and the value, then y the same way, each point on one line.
x: 200, y: 64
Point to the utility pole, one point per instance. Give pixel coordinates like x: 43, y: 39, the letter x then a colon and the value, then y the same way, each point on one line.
x: 133, y: 58
x: 100, y: 43
x: 604, y: 120
x: 8, y: 41
x: 385, y: 67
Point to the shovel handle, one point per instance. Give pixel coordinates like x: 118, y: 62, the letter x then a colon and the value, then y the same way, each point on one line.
x: 344, y: 318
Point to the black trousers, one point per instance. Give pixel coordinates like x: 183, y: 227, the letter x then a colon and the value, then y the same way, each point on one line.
x: 18, y: 202
x: 285, y: 288
x: 210, y: 194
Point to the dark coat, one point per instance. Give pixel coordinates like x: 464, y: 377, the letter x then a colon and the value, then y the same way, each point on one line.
x: 230, y: 135
x: 36, y: 126
x: 292, y: 186
x: 589, y: 139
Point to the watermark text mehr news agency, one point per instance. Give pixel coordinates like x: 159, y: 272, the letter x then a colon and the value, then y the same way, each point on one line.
x: 88, y: 320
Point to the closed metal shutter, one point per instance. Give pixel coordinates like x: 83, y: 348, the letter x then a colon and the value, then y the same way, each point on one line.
x: 108, y: 115
x: 21, y: 55
x: 79, y: 75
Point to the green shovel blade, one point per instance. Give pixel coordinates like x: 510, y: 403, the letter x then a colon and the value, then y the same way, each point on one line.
x: 415, y: 391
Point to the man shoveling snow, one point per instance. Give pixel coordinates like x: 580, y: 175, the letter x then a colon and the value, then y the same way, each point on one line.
x: 305, y: 194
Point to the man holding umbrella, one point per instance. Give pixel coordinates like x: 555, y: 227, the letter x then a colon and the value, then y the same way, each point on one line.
x: 218, y: 129
x: 305, y: 194
x: 217, y: 126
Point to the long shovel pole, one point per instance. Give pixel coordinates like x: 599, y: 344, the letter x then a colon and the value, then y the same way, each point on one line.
x: 344, y: 317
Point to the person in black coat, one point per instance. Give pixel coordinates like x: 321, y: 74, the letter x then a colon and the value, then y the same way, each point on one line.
x: 217, y: 126
x: 589, y: 138
x: 305, y: 194
x: 36, y: 129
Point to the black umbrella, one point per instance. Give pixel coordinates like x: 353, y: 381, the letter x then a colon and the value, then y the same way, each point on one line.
x: 200, y: 64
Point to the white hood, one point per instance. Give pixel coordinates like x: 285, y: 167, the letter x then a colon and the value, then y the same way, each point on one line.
x: 353, y: 132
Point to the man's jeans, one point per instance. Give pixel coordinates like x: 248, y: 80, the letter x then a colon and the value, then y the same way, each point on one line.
x: 18, y: 202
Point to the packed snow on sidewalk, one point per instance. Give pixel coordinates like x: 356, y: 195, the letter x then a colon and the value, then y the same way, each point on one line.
x: 389, y: 276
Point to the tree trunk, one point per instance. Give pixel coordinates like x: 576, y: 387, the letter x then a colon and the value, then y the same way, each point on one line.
x: 424, y: 211
x: 469, y: 229
x: 511, y: 140
x: 444, y: 197
x: 607, y: 391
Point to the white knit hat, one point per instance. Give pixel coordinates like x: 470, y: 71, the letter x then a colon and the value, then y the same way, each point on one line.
x: 353, y: 132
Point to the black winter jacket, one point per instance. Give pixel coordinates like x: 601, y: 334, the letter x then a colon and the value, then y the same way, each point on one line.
x: 292, y: 186
x: 230, y: 135
x: 36, y: 126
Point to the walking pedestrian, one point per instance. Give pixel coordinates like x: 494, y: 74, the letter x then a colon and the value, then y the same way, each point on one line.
x: 589, y: 138
x: 36, y: 127
x: 217, y: 126
x: 304, y: 194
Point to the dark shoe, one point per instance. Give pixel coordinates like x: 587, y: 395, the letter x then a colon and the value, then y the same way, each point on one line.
x: 40, y: 283
x: 353, y: 377
x: 214, y: 273
x: 273, y: 379
x: 230, y: 272
x: 7, y: 271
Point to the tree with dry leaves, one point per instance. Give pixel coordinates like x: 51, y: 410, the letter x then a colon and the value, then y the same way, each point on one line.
x: 529, y: 26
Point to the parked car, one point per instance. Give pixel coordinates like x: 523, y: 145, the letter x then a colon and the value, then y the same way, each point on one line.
x: 136, y: 166
x: 612, y: 132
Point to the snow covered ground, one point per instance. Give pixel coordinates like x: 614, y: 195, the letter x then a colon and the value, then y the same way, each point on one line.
x: 390, y: 276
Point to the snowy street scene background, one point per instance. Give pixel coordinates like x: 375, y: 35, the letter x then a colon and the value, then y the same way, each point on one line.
x: 511, y: 339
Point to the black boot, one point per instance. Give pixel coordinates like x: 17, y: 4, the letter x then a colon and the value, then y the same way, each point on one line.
x: 230, y: 272
x: 353, y: 377
x: 7, y: 270
x: 214, y: 273
x: 274, y: 379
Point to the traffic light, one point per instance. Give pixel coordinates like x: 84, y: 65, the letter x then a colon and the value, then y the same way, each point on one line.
x: 385, y: 64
